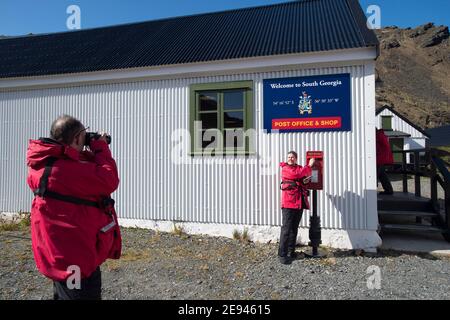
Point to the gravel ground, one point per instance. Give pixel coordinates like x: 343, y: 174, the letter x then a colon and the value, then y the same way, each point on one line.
x: 177, y: 266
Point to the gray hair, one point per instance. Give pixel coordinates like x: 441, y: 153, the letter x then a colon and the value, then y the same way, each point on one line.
x: 65, y: 128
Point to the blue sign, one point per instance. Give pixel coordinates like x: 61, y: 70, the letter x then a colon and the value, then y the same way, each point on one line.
x: 308, y: 104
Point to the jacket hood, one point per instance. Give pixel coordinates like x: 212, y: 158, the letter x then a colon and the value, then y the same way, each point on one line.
x: 40, y: 150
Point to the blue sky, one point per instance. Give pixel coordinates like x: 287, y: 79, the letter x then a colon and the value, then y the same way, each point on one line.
x: 18, y: 17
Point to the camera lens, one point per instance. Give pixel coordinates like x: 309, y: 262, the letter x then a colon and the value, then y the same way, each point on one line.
x: 95, y: 136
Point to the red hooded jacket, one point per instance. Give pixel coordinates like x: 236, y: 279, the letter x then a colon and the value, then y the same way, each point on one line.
x: 63, y: 233
x: 384, y: 152
x: 291, y: 198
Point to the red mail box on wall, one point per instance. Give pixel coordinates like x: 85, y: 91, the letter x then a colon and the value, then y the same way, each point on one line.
x: 317, y: 170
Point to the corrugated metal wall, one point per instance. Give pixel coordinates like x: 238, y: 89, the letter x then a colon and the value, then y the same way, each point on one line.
x: 400, y: 125
x: 142, y: 116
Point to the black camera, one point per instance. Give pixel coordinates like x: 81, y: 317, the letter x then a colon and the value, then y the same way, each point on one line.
x: 95, y: 136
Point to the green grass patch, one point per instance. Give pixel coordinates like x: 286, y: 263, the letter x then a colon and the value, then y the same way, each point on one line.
x: 20, y: 223
x: 179, y: 231
x: 241, y: 236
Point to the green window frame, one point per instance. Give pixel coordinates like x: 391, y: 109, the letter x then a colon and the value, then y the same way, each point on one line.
x: 217, y: 93
x: 386, y: 122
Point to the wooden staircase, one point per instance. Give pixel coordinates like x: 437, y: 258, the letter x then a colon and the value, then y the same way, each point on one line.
x: 408, y: 212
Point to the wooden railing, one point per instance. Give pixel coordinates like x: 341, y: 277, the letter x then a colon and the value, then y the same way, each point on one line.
x: 433, y: 167
x: 416, y: 169
x: 441, y: 176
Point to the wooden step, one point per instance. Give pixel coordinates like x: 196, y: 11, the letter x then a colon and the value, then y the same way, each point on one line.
x: 400, y: 201
x: 410, y: 227
x: 405, y: 206
x: 423, y: 214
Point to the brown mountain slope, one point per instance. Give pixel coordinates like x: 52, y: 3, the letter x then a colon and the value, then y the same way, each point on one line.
x: 413, y: 73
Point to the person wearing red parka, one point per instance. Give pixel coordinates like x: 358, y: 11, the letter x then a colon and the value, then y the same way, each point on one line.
x: 74, y: 226
x: 294, y: 199
x: 384, y: 157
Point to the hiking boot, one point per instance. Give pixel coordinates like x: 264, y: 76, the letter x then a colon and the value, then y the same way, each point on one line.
x: 293, y: 255
x: 285, y: 260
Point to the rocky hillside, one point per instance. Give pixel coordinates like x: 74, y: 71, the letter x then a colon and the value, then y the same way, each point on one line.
x: 413, y: 73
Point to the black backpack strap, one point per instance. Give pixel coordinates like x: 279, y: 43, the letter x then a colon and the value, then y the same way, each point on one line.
x: 291, y: 185
x: 71, y: 199
x: 43, y: 192
x: 43, y: 182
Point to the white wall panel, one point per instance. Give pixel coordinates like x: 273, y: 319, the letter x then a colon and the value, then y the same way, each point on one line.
x: 141, y: 117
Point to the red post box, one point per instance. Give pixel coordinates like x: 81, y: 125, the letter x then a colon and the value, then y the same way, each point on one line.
x: 317, y: 170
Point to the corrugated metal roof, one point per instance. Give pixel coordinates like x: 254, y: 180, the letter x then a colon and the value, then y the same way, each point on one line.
x: 396, y: 134
x: 293, y: 27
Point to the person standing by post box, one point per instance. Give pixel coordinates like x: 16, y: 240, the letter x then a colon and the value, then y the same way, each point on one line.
x: 293, y: 200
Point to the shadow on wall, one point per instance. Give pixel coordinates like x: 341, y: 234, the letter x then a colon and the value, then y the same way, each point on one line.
x: 359, y: 216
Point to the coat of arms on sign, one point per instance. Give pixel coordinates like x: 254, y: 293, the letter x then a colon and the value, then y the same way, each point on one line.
x: 305, y: 105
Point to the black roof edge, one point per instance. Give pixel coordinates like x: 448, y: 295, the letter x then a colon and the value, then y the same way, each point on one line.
x: 403, y: 118
x: 369, y: 36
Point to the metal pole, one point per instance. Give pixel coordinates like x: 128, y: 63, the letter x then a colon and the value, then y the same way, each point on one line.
x: 314, y: 228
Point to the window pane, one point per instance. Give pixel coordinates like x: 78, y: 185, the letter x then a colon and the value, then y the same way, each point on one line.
x: 386, y: 122
x: 233, y: 100
x: 234, y: 119
x: 209, y: 120
x: 208, y: 101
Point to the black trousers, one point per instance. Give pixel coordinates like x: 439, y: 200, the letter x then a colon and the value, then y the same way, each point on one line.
x: 91, y: 288
x: 289, y: 231
x: 384, y: 179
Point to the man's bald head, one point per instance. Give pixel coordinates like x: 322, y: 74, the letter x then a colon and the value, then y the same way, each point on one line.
x: 64, y: 129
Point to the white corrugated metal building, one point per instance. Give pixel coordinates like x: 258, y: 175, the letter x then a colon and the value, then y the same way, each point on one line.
x: 402, y: 133
x: 148, y: 104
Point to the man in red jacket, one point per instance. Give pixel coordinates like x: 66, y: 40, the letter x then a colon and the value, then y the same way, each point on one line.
x: 74, y: 226
x: 384, y: 157
x: 294, y: 199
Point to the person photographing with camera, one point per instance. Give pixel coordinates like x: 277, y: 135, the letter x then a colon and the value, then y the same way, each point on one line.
x: 74, y: 226
x: 294, y: 199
